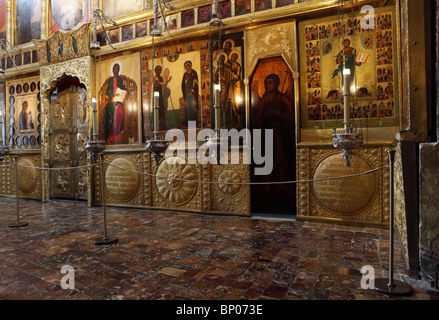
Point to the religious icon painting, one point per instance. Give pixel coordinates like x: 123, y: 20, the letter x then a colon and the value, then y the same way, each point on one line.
x: 26, y: 57
x: 119, y: 100
x: 261, y: 5
x: 242, y: 7
x: 204, y: 14
x: 282, y: 3
x: 68, y: 15
x: 3, y: 24
x: 225, y: 9
x: 127, y: 32
x: 115, y: 9
x: 187, y: 18
x: 27, y: 114
x: 28, y: 21
x: 331, y: 45
x: 171, y: 22
x: 141, y: 29
x: 113, y: 35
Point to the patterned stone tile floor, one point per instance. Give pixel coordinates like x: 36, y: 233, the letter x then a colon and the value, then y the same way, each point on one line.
x: 172, y: 256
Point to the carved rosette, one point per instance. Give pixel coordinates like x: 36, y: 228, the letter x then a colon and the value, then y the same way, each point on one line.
x: 175, y: 191
x: 229, y: 182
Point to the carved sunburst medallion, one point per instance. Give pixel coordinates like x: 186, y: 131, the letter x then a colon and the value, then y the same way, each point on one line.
x: 178, y: 184
x: 228, y: 182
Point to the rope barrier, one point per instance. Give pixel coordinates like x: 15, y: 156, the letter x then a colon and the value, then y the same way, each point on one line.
x: 255, y: 183
x: 54, y: 169
x: 211, y: 182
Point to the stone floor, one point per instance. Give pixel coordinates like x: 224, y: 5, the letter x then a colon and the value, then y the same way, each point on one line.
x: 169, y: 255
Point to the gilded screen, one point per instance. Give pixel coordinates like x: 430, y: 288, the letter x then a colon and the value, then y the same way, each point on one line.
x: 327, y: 47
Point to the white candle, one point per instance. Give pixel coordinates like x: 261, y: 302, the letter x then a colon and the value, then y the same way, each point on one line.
x: 94, y: 104
x: 3, y: 130
x: 156, y: 111
x: 217, y: 88
x: 346, y: 94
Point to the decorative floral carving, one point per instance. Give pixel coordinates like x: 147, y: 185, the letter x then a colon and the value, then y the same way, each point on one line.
x: 225, y: 180
x: 177, y: 192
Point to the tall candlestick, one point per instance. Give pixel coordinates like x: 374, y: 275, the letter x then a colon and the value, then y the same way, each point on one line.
x: 346, y: 94
x: 94, y: 104
x: 217, y: 88
x: 156, y: 111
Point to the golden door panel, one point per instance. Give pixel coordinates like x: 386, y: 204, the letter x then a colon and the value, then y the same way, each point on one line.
x: 67, y: 138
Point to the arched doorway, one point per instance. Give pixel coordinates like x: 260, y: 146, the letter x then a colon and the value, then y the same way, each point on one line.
x: 272, y: 108
x: 67, y: 137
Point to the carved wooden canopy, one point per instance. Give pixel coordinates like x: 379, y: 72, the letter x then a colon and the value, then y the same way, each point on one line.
x: 63, y: 46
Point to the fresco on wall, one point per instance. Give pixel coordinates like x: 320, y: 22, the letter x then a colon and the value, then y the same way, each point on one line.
x: 119, y: 100
x: 67, y: 15
x: 327, y: 48
x: 184, y: 74
x: 28, y: 21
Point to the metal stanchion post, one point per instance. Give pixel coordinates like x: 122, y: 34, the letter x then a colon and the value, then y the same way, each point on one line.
x: 17, y: 223
x: 391, y: 286
x: 105, y: 239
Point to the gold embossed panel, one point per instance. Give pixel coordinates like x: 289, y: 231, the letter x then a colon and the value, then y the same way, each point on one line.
x: 178, y: 185
x: 344, y: 196
x: 360, y: 200
x: 121, y: 184
x: 27, y: 176
x: 123, y: 179
x: 230, y: 194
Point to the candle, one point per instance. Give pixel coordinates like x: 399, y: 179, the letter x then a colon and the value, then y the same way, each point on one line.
x: 156, y: 111
x: 1, y: 126
x: 346, y: 94
x: 94, y: 103
x: 217, y: 88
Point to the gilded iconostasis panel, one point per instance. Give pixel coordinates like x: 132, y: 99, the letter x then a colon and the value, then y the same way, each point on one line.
x: 329, y: 45
x: 185, y: 73
x: 23, y: 110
